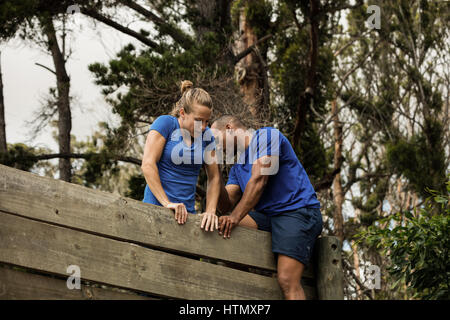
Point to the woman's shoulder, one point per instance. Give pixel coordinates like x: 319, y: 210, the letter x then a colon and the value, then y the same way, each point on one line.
x: 165, y: 125
x: 166, y: 118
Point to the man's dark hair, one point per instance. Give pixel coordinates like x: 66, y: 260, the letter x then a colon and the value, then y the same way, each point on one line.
x: 222, y: 121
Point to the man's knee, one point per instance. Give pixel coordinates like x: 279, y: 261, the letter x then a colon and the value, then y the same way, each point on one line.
x: 289, y: 273
x: 288, y: 281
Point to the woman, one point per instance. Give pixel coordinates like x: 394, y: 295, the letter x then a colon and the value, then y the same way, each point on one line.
x: 171, y: 164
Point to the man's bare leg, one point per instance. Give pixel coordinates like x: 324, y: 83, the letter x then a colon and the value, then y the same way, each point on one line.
x: 290, y: 272
x: 248, y: 222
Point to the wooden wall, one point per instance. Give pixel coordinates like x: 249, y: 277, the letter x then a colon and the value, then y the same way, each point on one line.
x: 126, y: 249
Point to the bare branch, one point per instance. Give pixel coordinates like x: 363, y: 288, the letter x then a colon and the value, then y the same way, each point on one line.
x: 82, y: 156
x: 179, y: 36
x: 97, y: 16
x: 247, y: 51
x: 47, y: 68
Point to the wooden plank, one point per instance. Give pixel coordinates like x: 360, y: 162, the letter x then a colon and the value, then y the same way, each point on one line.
x: 107, y: 214
x: 20, y: 285
x: 330, y: 276
x: 48, y: 248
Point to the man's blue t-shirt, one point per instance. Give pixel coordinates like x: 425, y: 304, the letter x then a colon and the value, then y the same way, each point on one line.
x: 288, y: 187
x: 179, y: 165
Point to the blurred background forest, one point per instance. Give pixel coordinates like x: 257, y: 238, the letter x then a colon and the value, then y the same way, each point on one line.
x: 366, y: 109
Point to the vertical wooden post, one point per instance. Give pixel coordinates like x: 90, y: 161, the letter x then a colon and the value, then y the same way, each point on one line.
x: 328, y: 265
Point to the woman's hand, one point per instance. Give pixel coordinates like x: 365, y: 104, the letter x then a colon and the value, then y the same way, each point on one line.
x: 209, y: 221
x: 180, y: 211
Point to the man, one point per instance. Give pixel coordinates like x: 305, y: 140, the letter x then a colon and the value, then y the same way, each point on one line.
x: 269, y: 189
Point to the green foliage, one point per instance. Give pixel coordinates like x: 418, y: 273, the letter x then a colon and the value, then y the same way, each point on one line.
x: 99, y: 163
x: 21, y: 17
x: 313, y: 155
x: 148, y: 77
x: 289, y: 70
x: 373, y: 194
x: 96, y: 166
x: 14, y: 15
x: 23, y: 157
x: 136, y: 187
x: 421, y: 159
x: 417, y: 245
x: 257, y: 14
x: 19, y: 156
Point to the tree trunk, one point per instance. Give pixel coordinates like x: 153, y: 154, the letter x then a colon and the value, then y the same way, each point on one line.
x: 250, y: 69
x: 3, y: 146
x: 63, y: 85
x: 356, y: 266
x: 307, y: 96
x: 338, y: 194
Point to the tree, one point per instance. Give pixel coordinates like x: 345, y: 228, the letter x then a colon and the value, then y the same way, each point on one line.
x: 63, y: 97
x: 417, y: 244
x: 399, y: 131
x: 18, y: 17
x: 3, y: 146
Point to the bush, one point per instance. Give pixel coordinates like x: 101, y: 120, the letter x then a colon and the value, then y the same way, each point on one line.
x: 417, y: 245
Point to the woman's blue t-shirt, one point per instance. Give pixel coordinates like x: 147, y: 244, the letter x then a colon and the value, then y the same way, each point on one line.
x: 179, y: 165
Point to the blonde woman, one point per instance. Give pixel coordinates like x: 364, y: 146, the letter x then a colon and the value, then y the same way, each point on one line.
x: 174, y: 154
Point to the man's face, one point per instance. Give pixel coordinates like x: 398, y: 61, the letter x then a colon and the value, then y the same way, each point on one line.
x: 227, y: 136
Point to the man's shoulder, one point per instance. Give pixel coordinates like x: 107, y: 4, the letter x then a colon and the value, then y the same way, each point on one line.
x: 270, y: 134
x: 269, y: 130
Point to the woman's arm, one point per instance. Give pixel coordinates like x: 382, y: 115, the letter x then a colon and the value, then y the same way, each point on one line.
x: 154, y: 147
x: 212, y: 195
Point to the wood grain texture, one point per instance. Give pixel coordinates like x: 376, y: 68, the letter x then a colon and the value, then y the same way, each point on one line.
x: 41, y: 246
x: 20, y: 285
x: 330, y: 278
x: 103, y: 213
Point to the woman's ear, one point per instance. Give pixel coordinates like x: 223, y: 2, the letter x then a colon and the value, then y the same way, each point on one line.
x: 181, y: 112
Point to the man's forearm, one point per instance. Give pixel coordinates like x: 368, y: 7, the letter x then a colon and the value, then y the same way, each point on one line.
x: 250, y: 198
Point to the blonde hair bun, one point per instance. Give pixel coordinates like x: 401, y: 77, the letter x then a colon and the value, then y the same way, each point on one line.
x: 186, y: 85
x: 189, y: 96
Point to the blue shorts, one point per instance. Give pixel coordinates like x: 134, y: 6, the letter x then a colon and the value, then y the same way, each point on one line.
x: 293, y: 233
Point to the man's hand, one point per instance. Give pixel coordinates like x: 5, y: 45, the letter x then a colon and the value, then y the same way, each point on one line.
x: 209, y: 221
x: 181, y: 213
x: 226, y: 223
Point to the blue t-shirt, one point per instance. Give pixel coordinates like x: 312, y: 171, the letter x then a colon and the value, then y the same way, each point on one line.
x: 179, y: 165
x: 288, y: 187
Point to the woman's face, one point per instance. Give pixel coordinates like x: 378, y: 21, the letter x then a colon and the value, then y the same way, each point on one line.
x: 198, y: 113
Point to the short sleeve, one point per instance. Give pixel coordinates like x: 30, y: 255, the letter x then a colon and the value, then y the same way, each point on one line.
x: 164, y: 125
x: 265, y: 142
x: 232, y: 178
